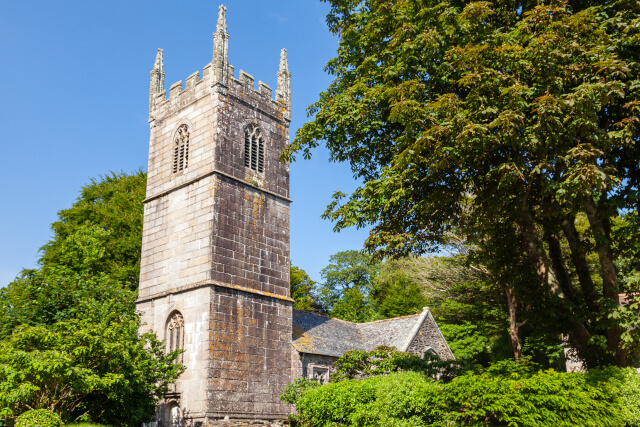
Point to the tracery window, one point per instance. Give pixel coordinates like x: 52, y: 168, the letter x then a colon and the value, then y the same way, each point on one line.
x: 174, y: 339
x: 181, y: 149
x: 254, y: 148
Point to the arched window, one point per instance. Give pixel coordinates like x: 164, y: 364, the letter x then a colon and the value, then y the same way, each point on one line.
x: 173, y: 412
x: 430, y: 354
x: 181, y: 149
x: 253, y: 148
x: 174, y: 339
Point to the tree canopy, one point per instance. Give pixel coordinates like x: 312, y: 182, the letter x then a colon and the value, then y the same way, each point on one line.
x: 69, y: 331
x: 504, y: 123
x: 106, y: 215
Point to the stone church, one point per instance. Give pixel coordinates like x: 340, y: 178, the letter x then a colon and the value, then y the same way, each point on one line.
x: 214, y: 276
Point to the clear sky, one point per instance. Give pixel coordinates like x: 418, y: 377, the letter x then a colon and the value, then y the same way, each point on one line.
x: 75, y: 91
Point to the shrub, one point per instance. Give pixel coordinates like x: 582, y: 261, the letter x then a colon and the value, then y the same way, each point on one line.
x: 546, y: 398
x: 294, y: 389
x: 627, y: 381
x: 384, y: 360
x: 497, y: 397
x: 39, y: 418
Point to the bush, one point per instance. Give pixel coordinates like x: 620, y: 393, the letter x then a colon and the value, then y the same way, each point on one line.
x: 294, y: 390
x: 39, y: 418
x: 498, y: 397
x: 627, y: 382
x: 356, y: 364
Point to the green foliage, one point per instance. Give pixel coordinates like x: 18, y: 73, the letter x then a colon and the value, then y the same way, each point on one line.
x: 466, y: 341
x: 294, y: 389
x: 302, y: 289
x: 103, y: 371
x: 347, y: 286
x: 502, y: 397
x: 102, y: 230
x: 396, y: 293
x: 69, y: 338
x: 38, y: 418
x: 384, y: 360
x: 627, y: 381
x: 58, y: 294
x: 501, y: 122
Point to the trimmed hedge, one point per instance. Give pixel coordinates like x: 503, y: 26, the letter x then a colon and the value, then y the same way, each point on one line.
x: 410, y: 399
x: 39, y: 418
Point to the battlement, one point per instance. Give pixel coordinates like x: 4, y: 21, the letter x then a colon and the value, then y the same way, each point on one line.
x: 181, y: 95
x: 218, y: 77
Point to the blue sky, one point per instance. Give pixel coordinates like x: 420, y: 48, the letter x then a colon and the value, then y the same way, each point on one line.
x: 75, y: 77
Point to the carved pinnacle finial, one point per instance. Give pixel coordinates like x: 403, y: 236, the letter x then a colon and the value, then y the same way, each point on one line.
x: 284, y: 65
x: 158, y: 64
x: 222, y: 19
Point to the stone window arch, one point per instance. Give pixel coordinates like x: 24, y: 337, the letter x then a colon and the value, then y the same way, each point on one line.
x: 430, y: 352
x: 181, y: 149
x: 174, y: 337
x: 173, y: 414
x: 254, y: 148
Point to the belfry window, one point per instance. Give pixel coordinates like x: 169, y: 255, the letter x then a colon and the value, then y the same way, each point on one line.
x: 253, y: 148
x: 174, y: 339
x: 181, y: 149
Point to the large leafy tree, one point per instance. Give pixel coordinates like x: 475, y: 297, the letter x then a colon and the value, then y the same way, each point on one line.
x: 69, y: 337
x: 346, y: 291
x: 302, y: 289
x: 107, y: 212
x: 485, y: 119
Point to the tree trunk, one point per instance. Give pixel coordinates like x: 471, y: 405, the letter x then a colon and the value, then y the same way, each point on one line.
x: 557, y: 261
x: 609, y: 276
x: 533, y: 246
x: 580, y: 261
x: 514, y: 327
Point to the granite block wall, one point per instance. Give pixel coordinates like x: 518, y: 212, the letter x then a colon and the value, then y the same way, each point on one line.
x: 250, y: 356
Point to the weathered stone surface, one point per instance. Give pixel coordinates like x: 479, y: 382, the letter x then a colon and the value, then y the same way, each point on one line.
x: 428, y: 337
x: 215, y: 242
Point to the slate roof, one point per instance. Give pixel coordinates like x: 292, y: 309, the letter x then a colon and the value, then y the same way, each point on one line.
x: 396, y: 332
x: 317, y: 334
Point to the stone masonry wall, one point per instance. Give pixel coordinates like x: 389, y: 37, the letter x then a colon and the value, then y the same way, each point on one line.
x: 251, y: 235
x: 194, y: 307
x: 429, y: 336
x: 243, y: 105
x: 250, y: 358
x: 250, y: 239
x: 176, y: 238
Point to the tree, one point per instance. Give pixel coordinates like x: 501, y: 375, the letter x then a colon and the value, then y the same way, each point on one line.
x: 395, y: 293
x: 69, y: 337
x: 348, y: 282
x: 108, y: 210
x: 477, y: 117
x: 83, y: 370
x: 302, y: 289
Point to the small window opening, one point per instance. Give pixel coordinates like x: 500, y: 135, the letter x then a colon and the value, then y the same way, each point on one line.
x: 254, y: 148
x: 181, y: 149
x: 175, y: 333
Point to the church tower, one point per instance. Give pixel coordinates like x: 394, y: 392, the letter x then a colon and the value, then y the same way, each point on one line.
x: 214, y: 275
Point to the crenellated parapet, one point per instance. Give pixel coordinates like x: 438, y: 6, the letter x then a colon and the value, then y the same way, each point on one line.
x: 218, y: 78
x: 182, y: 93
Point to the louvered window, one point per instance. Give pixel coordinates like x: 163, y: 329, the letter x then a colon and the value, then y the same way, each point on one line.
x: 174, y: 338
x: 254, y: 148
x: 181, y: 149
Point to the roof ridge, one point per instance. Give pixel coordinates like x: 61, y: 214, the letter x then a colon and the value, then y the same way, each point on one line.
x: 328, y: 317
x: 391, y: 318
